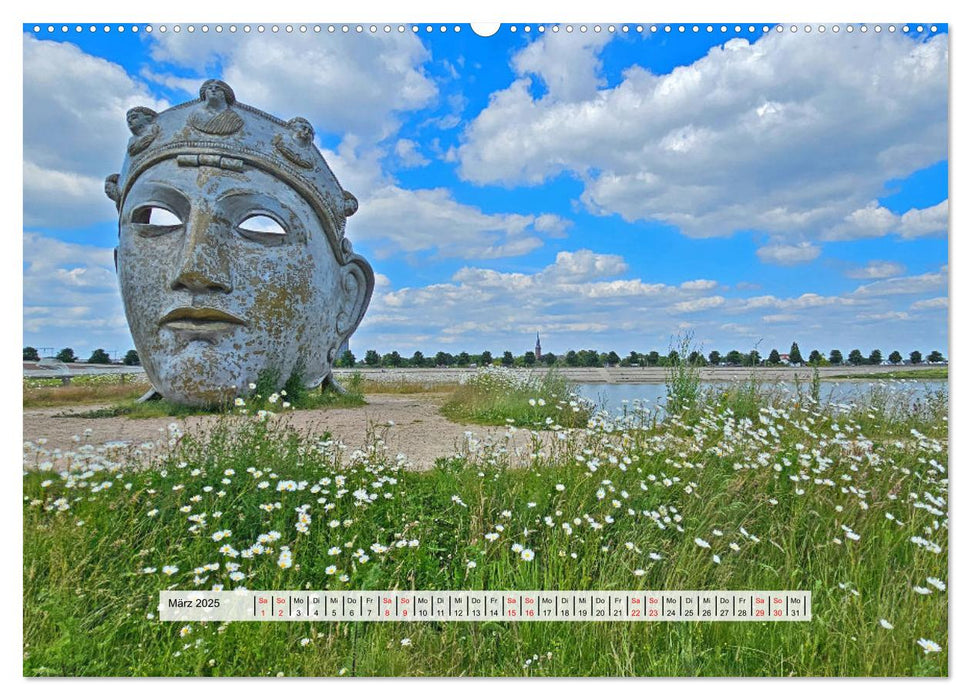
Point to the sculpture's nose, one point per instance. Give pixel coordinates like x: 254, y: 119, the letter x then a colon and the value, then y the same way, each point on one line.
x: 204, y: 265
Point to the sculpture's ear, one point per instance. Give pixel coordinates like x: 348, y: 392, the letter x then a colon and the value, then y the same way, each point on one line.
x: 357, y: 285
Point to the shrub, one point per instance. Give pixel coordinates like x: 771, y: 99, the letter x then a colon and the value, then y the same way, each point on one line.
x: 501, y: 396
x: 99, y: 357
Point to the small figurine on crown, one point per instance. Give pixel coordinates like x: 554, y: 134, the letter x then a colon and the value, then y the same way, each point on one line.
x: 297, y: 147
x: 216, y: 115
x: 141, y: 123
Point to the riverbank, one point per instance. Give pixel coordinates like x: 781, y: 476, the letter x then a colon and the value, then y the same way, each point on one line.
x: 580, y: 375
x: 641, y: 375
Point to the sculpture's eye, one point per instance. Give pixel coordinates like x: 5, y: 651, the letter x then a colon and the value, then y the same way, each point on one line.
x: 262, y: 228
x: 155, y: 216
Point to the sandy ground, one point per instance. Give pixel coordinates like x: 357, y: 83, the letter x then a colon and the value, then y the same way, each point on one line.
x: 418, y: 430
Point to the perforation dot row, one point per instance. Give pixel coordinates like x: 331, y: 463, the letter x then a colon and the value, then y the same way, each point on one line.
x: 414, y: 28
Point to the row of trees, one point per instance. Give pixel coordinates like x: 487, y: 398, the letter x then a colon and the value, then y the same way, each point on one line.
x: 592, y: 358
x: 372, y: 358
x: 572, y: 358
x: 98, y: 357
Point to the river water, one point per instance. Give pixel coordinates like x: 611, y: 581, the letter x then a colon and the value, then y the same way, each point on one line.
x: 615, y: 397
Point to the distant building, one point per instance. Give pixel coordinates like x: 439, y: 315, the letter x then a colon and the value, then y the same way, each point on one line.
x: 784, y: 357
x: 539, y: 348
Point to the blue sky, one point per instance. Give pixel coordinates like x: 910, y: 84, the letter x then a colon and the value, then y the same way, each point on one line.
x: 608, y: 190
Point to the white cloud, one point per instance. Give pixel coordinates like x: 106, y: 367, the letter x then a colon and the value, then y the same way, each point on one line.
x: 870, y: 221
x: 699, y: 285
x: 409, y: 153
x: 583, y: 266
x: 873, y: 221
x: 552, y: 225
x: 71, y: 296
x: 74, y: 131
x: 808, y: 300
x: 775, y: 135
x: 915, y: 284
x: 572, y: 296
x: 568, y: 64
x: 933, y: 303
x: 788, y: 254
x: 923, y: 222
x: 877, y: 269
x: 60, y: 198
x: 884, y: 316
x: 702, y: 304
x: 394, y: 219
x: 343, y: 83
x: 583, y: 299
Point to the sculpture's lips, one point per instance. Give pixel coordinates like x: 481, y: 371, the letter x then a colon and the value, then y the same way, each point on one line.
x: 194, y: 317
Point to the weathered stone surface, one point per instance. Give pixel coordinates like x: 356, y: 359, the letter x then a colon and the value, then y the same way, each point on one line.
x: 231, y: 256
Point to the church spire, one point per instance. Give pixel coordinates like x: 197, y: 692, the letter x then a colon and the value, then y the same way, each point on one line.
x: 539, y: 348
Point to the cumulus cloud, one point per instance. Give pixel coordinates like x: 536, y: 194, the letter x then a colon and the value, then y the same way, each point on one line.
x: 575, y: 296
x: 71, y: 296
x: 343, y: 83
x: 568, y: 64
x: 788, y: 254
x: 397, y: 219
x: 700, y: 304
x: 699, y: 285
x: 780, y: 318
x: 589, y: 299
x: 774, y: 135
x: 409, y: 153
x: 583, y: 266
x: 62, y: 198
x: 873, y: 221
x: 74, y: 131
x: 809, y: 300
x: 922, y: 222
x: 552, y: 225
x: 915, y: 284
x: 933, y: 303
x: 884, y: 316
x: 876, y: 269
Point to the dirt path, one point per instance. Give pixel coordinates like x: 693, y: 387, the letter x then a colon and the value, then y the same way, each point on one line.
x: 418, y: 431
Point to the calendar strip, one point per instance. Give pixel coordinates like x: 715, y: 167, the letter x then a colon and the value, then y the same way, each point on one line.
x: 481, y: 606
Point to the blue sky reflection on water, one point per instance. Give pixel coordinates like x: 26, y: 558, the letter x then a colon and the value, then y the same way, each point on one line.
x: 614, y: 396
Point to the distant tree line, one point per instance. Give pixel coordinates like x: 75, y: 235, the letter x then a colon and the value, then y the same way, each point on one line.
x: 575, y: 358
x: 594, y: 358
x: 98, y: 357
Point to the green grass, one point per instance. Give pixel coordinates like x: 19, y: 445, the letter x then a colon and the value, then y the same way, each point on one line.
x: 682, y: 378
x: 293, y: 396
x: 507, y: 397
x: 926, y: 373
x: 44, y: 393
x: 789, y: 473
x: 401, y: 386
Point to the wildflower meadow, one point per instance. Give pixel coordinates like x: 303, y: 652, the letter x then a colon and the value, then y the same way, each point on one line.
x: 738, y: 489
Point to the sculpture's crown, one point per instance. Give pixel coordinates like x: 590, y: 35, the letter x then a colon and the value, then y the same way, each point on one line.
x: 216, y: 130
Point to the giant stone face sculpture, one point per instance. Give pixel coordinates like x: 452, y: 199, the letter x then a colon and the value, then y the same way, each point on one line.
x: 232, y: 258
